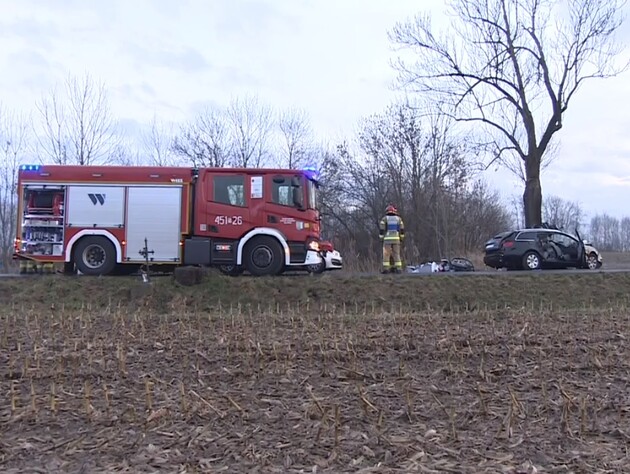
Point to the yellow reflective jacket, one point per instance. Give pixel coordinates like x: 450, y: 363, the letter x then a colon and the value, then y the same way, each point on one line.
x: 392, y: 228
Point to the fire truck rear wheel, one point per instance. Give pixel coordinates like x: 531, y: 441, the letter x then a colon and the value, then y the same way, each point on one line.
x: 95, y: 255
x: 231, y: 270
x: 263, y: 256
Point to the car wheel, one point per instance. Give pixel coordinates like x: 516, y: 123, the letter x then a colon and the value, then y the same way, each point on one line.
x: 592, y: 262
x: 264, y: 256
x: 316, y: 268
x: 231, y: 270
x: 461, y: 264
x: 531, y: 261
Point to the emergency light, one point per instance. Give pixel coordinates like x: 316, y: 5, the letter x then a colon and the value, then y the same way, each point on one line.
x: 29, y: 167
x: 311, y: 172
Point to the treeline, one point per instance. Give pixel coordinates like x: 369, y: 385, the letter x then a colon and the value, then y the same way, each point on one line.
x: 417, y: 161
x: 609, y: 233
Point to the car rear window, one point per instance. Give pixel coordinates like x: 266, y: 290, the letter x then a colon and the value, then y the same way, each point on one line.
x: 502, y: 235
x: 526, y: 236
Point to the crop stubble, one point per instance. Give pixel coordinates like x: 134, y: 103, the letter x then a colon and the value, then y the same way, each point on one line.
x: 297, y: 389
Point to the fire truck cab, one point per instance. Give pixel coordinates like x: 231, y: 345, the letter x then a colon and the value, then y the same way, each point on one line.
x: 104, y: 220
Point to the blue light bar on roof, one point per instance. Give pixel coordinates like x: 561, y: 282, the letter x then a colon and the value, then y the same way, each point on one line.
x: 311, y: 172
x: 29, y: 167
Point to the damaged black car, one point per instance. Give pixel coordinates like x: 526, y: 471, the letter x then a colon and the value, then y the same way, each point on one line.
x: 540, y: 248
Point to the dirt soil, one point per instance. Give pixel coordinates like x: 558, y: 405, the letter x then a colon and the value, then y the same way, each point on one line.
x: 112, y: 376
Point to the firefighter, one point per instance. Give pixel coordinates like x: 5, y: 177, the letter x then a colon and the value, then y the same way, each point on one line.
x: 391, y: 233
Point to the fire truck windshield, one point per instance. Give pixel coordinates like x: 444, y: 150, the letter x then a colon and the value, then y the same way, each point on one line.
x: 311, y: 189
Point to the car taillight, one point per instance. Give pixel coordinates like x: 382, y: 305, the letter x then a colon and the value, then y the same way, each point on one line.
x: 507, y: 245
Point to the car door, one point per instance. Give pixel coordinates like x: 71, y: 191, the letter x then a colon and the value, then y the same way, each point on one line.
x: 227, y: 215
x: 581, y: 252
x: 539, y: 244
x: 569, y: 246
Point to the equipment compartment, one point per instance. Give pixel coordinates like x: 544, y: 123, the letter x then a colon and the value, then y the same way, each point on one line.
x: 43, y: 219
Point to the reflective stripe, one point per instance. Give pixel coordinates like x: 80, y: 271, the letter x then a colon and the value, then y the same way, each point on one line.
x: 392, y: 228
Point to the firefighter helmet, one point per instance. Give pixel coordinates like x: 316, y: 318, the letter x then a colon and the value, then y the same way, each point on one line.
x: 391, y: 209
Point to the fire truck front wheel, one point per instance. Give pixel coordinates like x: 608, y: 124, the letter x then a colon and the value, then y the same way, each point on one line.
x: 263, y: 256
x: 95, y: 255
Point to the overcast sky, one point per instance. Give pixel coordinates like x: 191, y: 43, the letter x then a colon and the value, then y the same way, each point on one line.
x: 329, y: 57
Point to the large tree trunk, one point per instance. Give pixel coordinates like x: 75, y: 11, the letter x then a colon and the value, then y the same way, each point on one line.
x: 532, y: 196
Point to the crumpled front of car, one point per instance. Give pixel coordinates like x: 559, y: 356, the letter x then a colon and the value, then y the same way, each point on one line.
x: 592, y: 251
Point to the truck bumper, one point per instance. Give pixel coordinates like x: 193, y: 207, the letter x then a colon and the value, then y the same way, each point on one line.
x: 312, y: 258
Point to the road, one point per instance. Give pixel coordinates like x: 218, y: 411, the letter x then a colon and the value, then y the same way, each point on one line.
x: 493, y: 273
x: 437, y: 274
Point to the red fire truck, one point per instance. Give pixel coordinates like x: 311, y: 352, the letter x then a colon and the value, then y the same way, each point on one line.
x: 104, y: 220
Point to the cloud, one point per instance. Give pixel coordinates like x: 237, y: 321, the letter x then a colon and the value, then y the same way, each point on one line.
x: 169, y: 8
x: 140, y: 96
x: 133, y: 91
x: 245, y: 20
x: 200, y: 106
x: 173, y: 58
x: 29, y: 59
x: 129, y: 127
x: 239, y: 77
x: 30, y: 31
x: 186, y: 58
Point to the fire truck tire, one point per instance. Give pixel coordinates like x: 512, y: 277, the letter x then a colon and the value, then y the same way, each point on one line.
x: 95, y: 255
x: 263, y: 256
x: 231, y: 270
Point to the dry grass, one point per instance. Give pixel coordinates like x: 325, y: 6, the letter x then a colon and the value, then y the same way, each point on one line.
x: 354, y: 391
x: 411, y: 292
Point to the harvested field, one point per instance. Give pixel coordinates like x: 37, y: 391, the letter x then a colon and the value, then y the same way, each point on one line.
x: 127, y: 384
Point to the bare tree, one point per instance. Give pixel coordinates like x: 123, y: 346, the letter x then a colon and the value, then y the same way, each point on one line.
x: 205, y: 140
x: 624, y: 231
x: 77, y: 125
x: 566, y: 215
x: 418, y: 162
x: 296, y: 138
x: 424, y: 170
x: 480, y: 214
x: 604, y: 231
x: 513, y: 67
x: 13, y: 144
x: 158, y: 143
x: 250, y: 124
x: 126, y: 154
